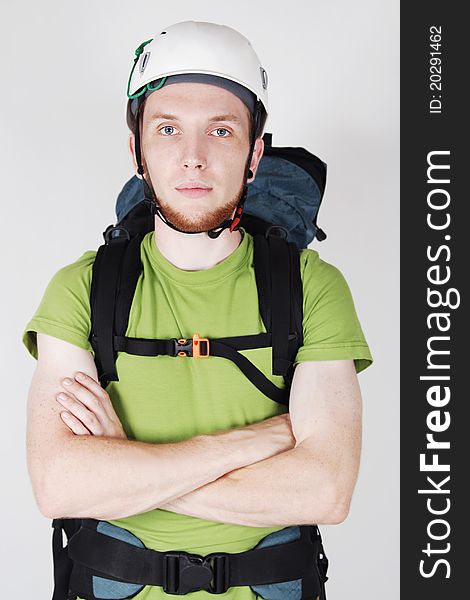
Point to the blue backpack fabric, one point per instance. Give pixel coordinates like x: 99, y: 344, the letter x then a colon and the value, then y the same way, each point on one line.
x: 285, y: 590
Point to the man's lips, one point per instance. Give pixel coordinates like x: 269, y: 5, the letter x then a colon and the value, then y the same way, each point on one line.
x: 192, y: 184
x: 193, y: 189
x: 194, y: 192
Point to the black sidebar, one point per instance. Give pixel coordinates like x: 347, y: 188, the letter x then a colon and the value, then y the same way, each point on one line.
x: 435, y: 330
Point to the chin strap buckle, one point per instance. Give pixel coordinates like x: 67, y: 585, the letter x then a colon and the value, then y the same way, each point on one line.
x: 236, y: 219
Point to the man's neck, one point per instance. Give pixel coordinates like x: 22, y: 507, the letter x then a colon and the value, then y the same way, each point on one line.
x: 194, y: 252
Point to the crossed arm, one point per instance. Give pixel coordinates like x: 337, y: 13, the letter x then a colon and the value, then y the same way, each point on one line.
x: 311, y: 482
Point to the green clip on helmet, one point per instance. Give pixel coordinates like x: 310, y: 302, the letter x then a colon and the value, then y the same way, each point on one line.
x: 200, y: 52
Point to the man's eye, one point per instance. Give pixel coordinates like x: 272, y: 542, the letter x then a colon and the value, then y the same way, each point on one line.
x: 219, y: 129
x: 165, y: 129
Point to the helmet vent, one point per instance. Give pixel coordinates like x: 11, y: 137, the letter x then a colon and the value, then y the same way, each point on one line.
x: 264, y: 78
x: 144, y: 59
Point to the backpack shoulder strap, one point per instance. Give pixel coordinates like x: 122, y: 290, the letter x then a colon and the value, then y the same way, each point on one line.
x: 280, y: 298
x: 280, y: 304
x: 263, y: 277
x: 129, y: 275
x: 115, y: 273
x: 297, y: 298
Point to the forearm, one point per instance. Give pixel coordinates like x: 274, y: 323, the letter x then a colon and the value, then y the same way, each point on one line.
x: 107, y: 478
x: 286, y: 489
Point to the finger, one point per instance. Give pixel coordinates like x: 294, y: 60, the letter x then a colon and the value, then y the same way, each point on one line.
x: 95, y: 388
x: 74, y: 424
x: 86, y: 397
x: 81, y: 412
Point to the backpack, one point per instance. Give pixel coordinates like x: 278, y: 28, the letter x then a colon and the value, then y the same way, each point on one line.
x: 280, y: 212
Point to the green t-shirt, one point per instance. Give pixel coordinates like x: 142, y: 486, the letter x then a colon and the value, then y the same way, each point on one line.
x: 168, y: 399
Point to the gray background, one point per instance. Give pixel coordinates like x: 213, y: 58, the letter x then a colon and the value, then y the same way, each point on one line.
x: 334, y: 89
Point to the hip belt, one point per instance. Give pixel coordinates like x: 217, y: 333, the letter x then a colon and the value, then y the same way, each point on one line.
x: 103, y: 561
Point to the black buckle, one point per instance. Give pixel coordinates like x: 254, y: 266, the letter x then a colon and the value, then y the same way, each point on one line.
x: 197, y: 347
x: 184, y: 572
x: 116, y: 232
x: 219, y: 564
x: 182, y: 347
x: 277, y: 231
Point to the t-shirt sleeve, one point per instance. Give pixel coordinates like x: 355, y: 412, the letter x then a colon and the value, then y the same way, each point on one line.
x: 64, y: 311
x: 332, y: 330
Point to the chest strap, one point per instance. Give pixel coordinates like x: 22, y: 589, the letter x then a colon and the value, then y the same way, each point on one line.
x: 226, y: 347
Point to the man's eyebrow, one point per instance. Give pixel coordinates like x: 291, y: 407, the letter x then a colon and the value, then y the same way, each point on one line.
x: 232, y: 118
x: 228, y: 117
x: 158, y: 115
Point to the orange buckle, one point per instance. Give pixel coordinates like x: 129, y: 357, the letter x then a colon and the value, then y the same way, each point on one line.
x: 197, y: 346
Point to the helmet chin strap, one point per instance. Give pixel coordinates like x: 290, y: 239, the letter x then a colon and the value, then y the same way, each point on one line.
x: 151, y: 200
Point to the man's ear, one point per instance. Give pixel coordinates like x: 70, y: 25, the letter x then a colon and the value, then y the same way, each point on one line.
x: 257, y: 154
x: 132, y: 151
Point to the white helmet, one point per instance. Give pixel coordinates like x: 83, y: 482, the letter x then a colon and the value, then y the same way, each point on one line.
x: 208, y: 52
x: 198, y: 47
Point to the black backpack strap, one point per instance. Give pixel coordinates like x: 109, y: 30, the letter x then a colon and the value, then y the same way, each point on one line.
x: 280, y: 303
x: 263, y: 278
x: 257, y: 377
x: 103, y: 297
x: 62, y: 562
x: 280, y: 298
x: 296, y: 336
x: 297, y: 297
x: 296, y: 290
x: 121, y: 560
x: 129, y: 275
x: 321, y: 558
x: 103, y: 302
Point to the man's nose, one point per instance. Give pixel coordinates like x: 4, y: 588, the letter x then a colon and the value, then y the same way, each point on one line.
x: 194, y: 154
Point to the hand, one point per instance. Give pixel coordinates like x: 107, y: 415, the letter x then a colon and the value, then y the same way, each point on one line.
x: 267, y: 438
x: 277, y: 431
x: 89, y: 408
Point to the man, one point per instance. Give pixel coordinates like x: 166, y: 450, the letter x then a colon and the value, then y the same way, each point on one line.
x: 188, y: 454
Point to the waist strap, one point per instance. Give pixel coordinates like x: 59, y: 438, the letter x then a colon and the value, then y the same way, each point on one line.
x: 178, y: 572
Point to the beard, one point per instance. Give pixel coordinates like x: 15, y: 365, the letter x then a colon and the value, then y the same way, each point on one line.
x: 204, y: 220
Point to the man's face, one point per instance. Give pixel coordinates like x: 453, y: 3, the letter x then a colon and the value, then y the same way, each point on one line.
x: 194, y: 133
